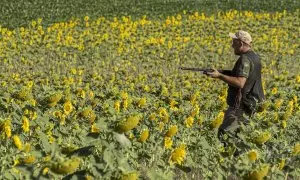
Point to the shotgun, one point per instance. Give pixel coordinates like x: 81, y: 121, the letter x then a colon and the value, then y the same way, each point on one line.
x: 207, y: 70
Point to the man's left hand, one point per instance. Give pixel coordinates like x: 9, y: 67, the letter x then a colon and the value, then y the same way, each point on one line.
x: 214, y: 74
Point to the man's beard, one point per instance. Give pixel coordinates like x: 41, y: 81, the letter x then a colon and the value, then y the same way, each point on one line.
x: 237, y: 53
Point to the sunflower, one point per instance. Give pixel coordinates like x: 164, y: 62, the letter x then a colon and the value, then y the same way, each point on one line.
x: 218, y: 121
x: 178, y: 155
x: 129, y: 124
x: 45, y: 170
x: 144, y: 135
x: 252, y: 155
x: 260, y: 173
x: 124, y: 95
x: 125, y: 104
x: 296, y: 150
x: 86, y: 112
x: 283, y: 124
x: 25, y: 125
x: 68, y: 107
x: 163, y: 114
x: 152, y: 117
x: 142, y: 102
x: 66, y: 167
x: 27, y: 147
x: 117, y: 106
x: 173, y: 105
x: 195, y: 110
x: 54, y: 97
x: 278, y: 103
x: 189, y: 121
x: 57, y: 114
x: 274, y: 91
x: 23, y: 94
x: 17, y: 141
x: 172, y: 131
x: 262, y: 137
x: 168, y: 142
x: 94, y: 128
x: 6, y: 126
x: 161, y: 126
x: 28, y: 159
x: 281, y: 164
x: 130, y: 176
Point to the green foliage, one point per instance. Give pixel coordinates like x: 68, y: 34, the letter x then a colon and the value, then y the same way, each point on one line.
x: 20, y: 12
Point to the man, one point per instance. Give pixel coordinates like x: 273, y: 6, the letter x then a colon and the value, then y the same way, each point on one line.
x: 244, y: 81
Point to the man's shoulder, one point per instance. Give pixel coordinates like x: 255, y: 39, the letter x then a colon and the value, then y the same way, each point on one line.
x: 244, y: 58
x: 251, y: 55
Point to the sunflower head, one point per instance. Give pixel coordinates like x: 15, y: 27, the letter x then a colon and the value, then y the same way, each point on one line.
x: 66, y: 167
x: 142, y: 102
x: 23, y: 94
x: 281, y: 164
x: 144, y: 135
x: 262, y: 137
x: 25, y: 125
x: 152, y: 117
x: 189, y: 121
x: 129, y: 123
x: 85, y: 112
x: 296, y: 150
x: 130, y: 176
x: 172, y: 131
x: 28, y: 159
x: 252, y: 155
x: 259, y: 173
x: 178, y: 155
x: 17, y: 141
x: 68, y: 107
x: 54, y: 97
x: 216, y: 123
x: 168, y: 142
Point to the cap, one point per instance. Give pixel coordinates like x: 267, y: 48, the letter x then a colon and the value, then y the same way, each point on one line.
x: 242, y: 35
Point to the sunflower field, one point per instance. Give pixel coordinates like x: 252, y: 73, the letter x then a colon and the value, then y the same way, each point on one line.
x: 96, y: 97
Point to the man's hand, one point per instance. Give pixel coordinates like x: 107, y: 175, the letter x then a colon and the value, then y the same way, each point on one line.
x: 238, y: 82
x: 214, y: 74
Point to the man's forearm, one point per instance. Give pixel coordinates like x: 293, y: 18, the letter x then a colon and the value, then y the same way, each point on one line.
x: 231, y: 80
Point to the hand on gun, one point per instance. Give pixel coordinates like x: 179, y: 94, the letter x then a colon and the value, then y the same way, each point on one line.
x: 209, y: 72
x: 214, y: 73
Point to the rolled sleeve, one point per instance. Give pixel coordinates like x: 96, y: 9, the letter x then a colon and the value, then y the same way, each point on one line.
x: 244, y: 67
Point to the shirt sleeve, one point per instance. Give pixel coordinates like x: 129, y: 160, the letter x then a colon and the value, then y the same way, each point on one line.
x: 244, y: 67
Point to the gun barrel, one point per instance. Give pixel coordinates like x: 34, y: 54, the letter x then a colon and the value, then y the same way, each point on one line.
x: 196, y: 69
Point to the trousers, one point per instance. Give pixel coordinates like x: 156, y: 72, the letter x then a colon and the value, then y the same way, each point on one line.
x: 233, y: 118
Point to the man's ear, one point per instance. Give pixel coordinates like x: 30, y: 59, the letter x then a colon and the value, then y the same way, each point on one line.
x: 242, y: 44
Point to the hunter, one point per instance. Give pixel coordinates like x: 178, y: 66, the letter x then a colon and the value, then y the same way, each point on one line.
x: 244, y: 84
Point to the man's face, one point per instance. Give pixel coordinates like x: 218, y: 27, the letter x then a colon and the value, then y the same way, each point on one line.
x: 236, y: 45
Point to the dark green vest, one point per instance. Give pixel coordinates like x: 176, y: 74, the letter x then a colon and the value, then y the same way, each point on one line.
x: 252, y: 92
